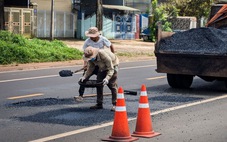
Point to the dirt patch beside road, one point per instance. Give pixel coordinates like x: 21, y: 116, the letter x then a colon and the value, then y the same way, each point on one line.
x: 128, y: 50
x: 131, y: 46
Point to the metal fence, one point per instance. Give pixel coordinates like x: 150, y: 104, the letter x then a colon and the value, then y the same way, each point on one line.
x: 20, y: 20
x: 63, y: 24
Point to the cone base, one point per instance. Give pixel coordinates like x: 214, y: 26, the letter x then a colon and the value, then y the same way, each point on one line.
x: 120, y: 139
x: 145, y: 134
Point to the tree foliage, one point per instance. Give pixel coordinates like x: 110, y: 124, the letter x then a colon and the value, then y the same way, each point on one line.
x: 197, y: 8
x: 158, y: 14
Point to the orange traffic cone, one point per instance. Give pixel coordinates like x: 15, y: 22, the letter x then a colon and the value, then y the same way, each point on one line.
x: 120, y: 130
x: 144, y: 122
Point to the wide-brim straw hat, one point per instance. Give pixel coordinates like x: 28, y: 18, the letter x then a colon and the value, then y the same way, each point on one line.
x: 89, y: 53
x: 92, y: 32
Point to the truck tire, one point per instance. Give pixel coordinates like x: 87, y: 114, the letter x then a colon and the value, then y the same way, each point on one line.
x: 171, y: 78
x: 179, y: 81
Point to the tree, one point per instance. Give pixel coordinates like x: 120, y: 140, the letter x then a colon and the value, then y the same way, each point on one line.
x: 2, y: 19
x: 158, y: 14
x: 197, y: 8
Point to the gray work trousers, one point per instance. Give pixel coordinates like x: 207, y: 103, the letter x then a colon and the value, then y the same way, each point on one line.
x: 112, y: 86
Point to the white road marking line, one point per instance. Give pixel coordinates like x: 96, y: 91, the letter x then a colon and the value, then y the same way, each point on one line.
x: 130, y: 119
x: 189, y: 105
x: 56, y: 67
x: 25, y: 96
x: 36, y: 69
x: 29, y: 78
x: 48, y: 76
x: 159, y: 77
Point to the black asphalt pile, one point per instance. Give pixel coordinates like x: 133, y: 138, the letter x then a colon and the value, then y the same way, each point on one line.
x: 42, y: 102
x: 197, y: 41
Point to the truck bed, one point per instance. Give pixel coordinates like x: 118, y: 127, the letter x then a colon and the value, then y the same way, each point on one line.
x: 190, y: 64
x: 198, y: 52
x: 196, y: 63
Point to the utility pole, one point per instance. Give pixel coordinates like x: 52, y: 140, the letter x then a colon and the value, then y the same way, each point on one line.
x: 2, y: 18
x: 99, y: 14
x: 28, y: 2
x: 52, y: 21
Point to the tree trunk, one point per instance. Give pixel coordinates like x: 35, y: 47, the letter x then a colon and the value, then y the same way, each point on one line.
x: 2, y: 19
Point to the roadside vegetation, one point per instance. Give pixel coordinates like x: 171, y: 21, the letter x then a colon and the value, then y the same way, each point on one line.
x: 173, y: 8
x: 15, y: 48
x: 159, y: 15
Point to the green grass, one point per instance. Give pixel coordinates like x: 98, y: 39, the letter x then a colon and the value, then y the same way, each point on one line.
x: 15, y: 48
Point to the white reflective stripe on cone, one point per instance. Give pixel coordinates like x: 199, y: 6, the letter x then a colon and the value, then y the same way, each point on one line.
x: 120, y: 96
x: 118, y: 108
x: 143, y: 105
x: 143, y: 93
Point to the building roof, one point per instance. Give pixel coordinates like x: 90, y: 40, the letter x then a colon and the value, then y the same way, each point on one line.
x: 120, y: 7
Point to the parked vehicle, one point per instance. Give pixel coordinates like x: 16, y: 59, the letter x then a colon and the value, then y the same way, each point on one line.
x: 198, y: 52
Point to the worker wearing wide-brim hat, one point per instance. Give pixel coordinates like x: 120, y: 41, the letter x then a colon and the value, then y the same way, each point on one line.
x: 107, y: 72
x: 96, y: 40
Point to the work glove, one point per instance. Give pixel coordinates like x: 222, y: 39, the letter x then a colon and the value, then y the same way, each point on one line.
x: 105, y: 81
x: 116, y: 68
x: 82, y: 79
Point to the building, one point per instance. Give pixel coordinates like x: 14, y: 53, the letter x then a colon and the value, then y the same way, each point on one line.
x: 33, y: 17
x: 118, y: 21
x: 71, y: 18
x: 143, y: 5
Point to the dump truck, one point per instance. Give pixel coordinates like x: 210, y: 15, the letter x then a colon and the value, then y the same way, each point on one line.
x: 198, y: 52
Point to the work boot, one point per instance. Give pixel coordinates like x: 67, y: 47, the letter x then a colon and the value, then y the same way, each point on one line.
x: 113, y: 108
x: 97, y: 106
x: 78, y: 99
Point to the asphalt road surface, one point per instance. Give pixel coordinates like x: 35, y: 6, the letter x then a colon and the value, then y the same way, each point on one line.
x: 38, y: 105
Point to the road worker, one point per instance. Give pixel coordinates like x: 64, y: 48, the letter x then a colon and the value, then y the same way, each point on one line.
x: 107, y: 63
x: 95, y: 40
